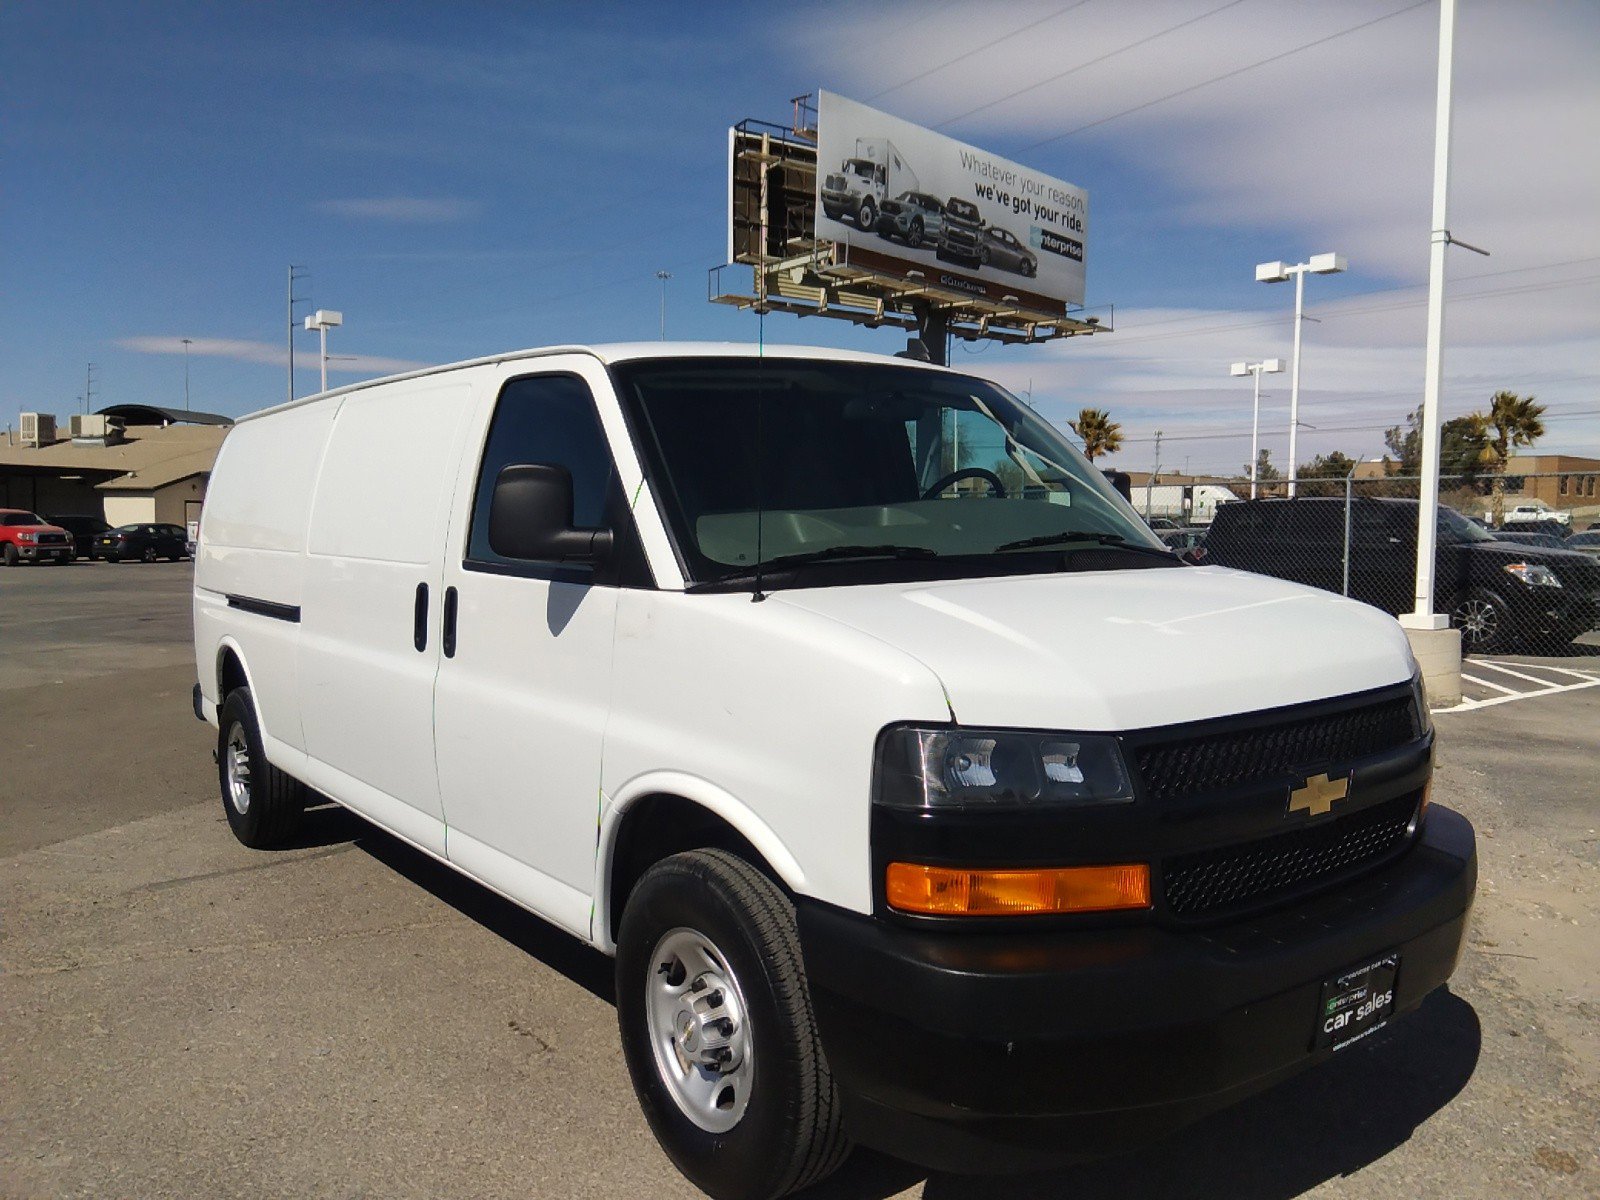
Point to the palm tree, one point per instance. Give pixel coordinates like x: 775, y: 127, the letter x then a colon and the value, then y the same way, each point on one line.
x: 1516, y: 420
x: 1100, y: 434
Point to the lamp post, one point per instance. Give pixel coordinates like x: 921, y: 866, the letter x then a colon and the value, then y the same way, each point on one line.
x: 1278, y: 272
x: 663, y: 276
x: 323, y: 320
x: 187, y: 342
x: 1270, y: 366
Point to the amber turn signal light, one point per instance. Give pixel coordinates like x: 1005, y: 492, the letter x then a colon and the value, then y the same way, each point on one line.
x: 960, y: 892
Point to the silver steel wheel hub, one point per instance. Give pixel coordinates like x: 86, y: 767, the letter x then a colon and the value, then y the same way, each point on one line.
x: 1477, y: 619
x: 237, y: 762
x: 699, y: 1030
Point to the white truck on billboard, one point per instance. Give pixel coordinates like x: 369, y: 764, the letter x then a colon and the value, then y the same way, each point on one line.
x: 969, y: 221
x: 870, y: 176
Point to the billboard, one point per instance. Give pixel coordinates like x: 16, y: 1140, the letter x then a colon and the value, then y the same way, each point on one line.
x: 907, y: 199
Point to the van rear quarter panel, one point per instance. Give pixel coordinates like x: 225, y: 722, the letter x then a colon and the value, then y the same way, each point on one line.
x: 252, y: 543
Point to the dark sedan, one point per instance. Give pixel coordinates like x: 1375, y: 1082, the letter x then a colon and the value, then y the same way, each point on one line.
x: 85, y: 531
x: 1000, y: 248
x: 144, y: 542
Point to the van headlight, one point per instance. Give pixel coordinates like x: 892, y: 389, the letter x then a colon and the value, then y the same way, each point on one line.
x: 1534, y: 574
x: 1419, y: 697
x: 998, y: 768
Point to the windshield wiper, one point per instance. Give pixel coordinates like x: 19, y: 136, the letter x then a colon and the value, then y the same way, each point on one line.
x: 1102, y: 539
x: 829, y: 554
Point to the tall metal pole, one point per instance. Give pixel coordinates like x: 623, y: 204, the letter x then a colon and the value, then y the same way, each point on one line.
x: 1294, y: 376
x: 1150, y: 488
x: 1423, y: 616
x: 663, y: 276
x: 323, y: 330
x: 290, y: 312
x: 1255, y: 432
x: 187, y: 342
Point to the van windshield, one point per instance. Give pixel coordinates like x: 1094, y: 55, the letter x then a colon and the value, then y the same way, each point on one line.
x: 881, y: 471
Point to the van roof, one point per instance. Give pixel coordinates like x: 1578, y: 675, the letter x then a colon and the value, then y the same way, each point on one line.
x: 618, y: 352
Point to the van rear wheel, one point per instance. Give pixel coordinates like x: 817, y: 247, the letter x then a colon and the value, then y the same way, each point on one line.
x: 718, y: 1031
x: 263, y: 805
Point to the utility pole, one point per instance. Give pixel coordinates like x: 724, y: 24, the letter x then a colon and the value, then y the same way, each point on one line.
x: 295, y: 272
x: 1150, y: 488
x: 663, y: 276
x: 187, y: 342
x: 88, y: 388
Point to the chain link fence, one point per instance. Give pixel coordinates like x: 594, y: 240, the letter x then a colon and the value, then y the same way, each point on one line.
x: 1517, y: 566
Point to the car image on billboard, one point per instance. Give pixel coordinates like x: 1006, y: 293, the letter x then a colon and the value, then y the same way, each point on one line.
x: 904, y: 199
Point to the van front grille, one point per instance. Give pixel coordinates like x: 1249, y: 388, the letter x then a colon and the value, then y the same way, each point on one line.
x: 1230, y: 758
x: 1213, y: 882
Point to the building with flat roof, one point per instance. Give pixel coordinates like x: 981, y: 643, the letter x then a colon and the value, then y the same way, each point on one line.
x: 144, y: 463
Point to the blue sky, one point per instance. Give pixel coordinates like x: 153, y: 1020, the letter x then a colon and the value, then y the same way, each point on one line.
x: 470, y: 178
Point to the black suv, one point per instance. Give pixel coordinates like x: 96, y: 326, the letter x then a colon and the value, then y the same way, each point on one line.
x: 85, y: 530
x: 1497, y: 593
x: 960, y: 236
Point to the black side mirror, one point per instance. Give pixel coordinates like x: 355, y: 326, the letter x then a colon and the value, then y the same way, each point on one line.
x: 530, y: 517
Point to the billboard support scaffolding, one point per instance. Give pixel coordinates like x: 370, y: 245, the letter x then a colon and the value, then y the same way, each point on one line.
x: 1011, y: 289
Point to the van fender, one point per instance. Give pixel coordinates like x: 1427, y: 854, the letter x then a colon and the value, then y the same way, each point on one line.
x: 707, y: 795
x: 279, y: 753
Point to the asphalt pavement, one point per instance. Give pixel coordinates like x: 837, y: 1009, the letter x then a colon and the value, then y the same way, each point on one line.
x: 180, y: 1016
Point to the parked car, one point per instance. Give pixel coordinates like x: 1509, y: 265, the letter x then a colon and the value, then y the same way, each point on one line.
x: 144, y: 542
x: 1499, y: 594
x: 26, y: 537
x: 1587, y: 542
x: 1187, y: 544
x: 1548, y: 540
x: 1536, y: 510
x: 961, y: 234
x: 84, y: 531
x: 1548, y: 528
x: 1000, y: 248
x: 913, y: 217
x: 760, y: 702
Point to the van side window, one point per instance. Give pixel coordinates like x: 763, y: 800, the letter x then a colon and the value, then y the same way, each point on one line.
x: 544, y: 419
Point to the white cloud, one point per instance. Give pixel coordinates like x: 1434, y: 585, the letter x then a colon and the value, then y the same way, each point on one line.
x: 407, y: 210
x: 268, y: 354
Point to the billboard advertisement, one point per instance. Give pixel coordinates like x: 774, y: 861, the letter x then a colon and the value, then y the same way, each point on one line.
x: 907, y: 199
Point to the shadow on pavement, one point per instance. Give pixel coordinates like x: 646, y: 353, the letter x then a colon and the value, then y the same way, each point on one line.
x: 1331, y: 1121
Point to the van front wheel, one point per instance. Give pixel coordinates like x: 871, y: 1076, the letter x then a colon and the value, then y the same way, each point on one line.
x: 718, y: 1031
x: 263, y: 805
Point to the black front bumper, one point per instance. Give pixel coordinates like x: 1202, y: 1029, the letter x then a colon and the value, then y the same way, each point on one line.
x: 964, y: 1051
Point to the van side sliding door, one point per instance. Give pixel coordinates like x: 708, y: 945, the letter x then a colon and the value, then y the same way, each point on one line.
x: 524, y: 685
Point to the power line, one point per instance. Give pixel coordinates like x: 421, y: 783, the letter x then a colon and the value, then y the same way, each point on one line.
x: 1237, y: 71
x: 1006, y: 37
x: 1093, y: 62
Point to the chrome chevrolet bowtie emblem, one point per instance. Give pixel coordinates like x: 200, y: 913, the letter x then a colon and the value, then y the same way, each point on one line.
x: 1317, y: 795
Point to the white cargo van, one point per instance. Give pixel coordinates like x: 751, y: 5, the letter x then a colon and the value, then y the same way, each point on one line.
x: 922, y: 797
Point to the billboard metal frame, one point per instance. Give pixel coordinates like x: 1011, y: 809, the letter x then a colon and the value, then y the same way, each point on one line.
x: 776, y: 263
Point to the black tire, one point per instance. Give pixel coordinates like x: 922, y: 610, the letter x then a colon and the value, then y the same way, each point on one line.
x: 866, y: 215
x: 149, y: 554
x: 789, y: 1134
x: 274, y: 802
x: 9, y: 555
x: 1484, y: 620
x: 914, y: 236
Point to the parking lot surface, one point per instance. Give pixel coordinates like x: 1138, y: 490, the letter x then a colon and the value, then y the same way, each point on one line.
x: 180, y: 1016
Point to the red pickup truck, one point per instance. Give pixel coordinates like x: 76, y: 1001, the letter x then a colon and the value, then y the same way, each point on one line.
x: 26, y: 537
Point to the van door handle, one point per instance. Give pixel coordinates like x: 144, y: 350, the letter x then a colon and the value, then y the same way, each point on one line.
x: 449, y: 637
x: 419, y: 619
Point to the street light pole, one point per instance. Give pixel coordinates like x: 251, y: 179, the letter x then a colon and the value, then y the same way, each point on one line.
x: 187, y: 342
x: 663, y: 276
x: 323, y: 320
x: 1271, y: 366
x: 1278, y: 272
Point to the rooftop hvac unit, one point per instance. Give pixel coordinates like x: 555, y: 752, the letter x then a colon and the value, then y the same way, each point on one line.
x: 38, y: 429
x: 95, y: 427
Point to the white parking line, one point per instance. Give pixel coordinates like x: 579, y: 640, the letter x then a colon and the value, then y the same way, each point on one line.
x: 1465, y: 678
x: 1507, y: 670
x: 1468, y: 704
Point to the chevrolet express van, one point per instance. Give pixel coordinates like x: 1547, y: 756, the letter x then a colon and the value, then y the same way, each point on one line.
x: 922, y: 797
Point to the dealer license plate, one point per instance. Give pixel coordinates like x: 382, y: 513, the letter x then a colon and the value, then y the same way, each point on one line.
x: 1356, y: 1003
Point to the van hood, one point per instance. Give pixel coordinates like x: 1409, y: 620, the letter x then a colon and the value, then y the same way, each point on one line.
x: 1124, y: 650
